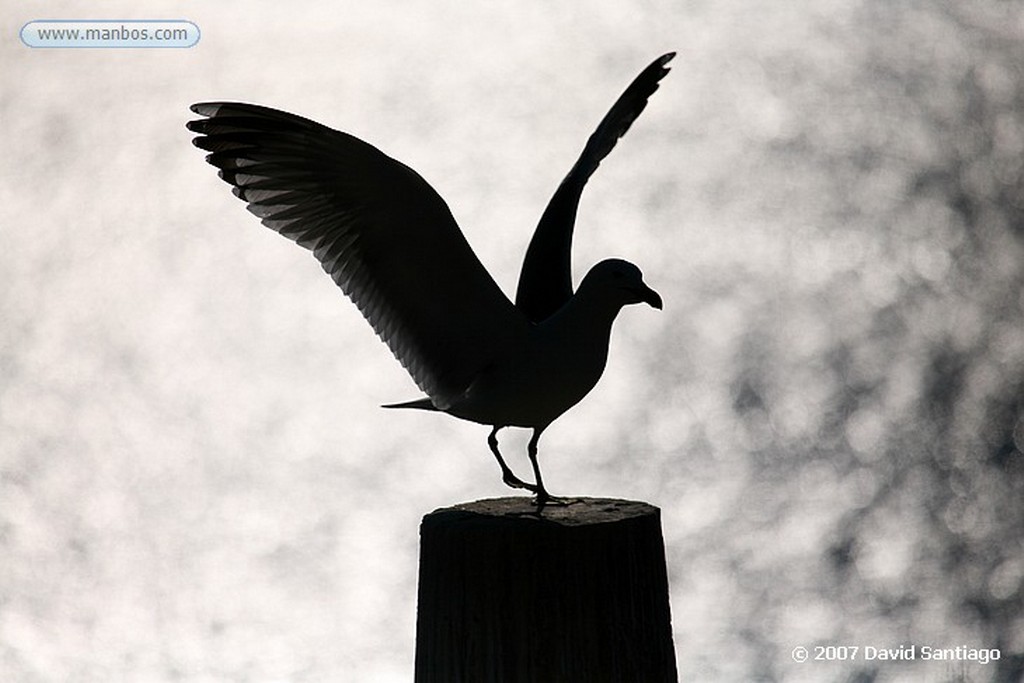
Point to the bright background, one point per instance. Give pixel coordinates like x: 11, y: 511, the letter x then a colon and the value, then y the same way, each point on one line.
x: 196, y: 482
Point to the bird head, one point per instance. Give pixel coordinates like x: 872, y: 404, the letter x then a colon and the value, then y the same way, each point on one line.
x: 622, y: 283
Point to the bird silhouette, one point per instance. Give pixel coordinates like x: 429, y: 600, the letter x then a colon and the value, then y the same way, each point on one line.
x: 390, y: 243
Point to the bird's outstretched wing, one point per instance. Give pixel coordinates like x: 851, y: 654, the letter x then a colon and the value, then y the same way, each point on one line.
x: 378, y: 228
x: 545, y: 281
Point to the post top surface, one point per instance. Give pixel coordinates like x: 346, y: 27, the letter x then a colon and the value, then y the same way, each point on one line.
x: 570, y: 512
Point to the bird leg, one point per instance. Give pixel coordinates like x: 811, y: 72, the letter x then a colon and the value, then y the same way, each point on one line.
x: 507, y: 475
x: 543, y: 497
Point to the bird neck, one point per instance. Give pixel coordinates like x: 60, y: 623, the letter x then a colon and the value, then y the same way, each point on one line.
x: 584, y: 319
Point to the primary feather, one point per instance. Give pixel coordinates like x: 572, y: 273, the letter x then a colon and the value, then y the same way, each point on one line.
x: 376, y: 227
x: 545, y: 281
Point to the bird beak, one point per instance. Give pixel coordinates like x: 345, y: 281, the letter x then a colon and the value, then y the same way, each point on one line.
x: 650, y: 297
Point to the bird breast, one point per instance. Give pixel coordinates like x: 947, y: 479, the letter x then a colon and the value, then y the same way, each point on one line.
x: 545, y: 372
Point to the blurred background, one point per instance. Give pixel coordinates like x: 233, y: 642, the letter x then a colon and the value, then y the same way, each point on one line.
x: 196, y: 483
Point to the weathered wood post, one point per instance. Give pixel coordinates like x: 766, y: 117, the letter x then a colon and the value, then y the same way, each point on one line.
x: 576, y: 593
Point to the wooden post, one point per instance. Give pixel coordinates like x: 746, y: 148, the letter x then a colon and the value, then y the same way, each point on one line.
x: 576, y: 593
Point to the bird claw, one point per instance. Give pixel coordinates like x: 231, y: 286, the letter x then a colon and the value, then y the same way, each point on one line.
x: 543, y: 499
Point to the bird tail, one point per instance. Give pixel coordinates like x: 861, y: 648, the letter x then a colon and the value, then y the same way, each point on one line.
x: 419, y: 404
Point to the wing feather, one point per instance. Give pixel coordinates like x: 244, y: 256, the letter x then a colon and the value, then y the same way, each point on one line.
x: 545, y: 281
x: 378, y: 229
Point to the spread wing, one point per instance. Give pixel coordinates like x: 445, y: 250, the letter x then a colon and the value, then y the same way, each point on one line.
x: 378, y: 228
x: 545, y: 281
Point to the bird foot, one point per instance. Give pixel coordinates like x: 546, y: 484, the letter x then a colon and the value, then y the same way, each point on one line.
x: 515, y: 482
x: 543, y: 498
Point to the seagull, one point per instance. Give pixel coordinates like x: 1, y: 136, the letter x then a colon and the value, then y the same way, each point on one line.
x: 390, y: 242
